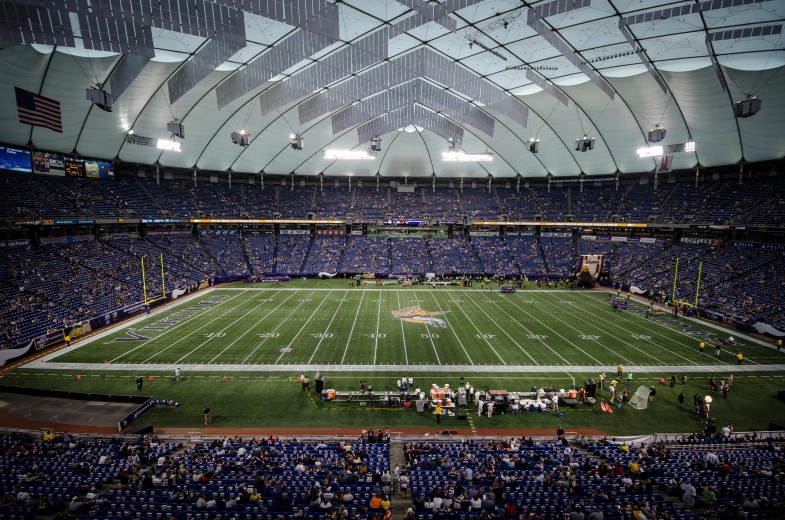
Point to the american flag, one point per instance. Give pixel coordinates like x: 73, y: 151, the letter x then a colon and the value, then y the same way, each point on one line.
x: 38, y: 111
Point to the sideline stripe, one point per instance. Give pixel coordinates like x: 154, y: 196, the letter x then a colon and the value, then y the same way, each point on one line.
x: 476, y: 369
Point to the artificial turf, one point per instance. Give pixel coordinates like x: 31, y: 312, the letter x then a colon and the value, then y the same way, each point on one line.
x: 261, y: 337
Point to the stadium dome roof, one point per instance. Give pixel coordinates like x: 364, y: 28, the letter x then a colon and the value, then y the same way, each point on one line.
x: 492, y: 39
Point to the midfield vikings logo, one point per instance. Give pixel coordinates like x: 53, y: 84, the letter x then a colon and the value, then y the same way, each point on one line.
x: 417, y: 315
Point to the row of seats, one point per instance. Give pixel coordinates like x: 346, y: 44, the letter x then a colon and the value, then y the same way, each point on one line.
x: 758, y: 201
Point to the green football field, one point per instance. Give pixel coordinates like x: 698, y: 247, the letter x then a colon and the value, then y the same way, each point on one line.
x: 327, y: 324
x: 241, y: 349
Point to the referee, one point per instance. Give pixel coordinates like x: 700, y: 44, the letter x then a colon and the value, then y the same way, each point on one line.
x: 206, y: 415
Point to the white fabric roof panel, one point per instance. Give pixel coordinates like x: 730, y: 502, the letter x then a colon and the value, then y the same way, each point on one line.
x: 28, y: 77
x: 104, y: 133
x: 708, y: 113
x: 699, y: 108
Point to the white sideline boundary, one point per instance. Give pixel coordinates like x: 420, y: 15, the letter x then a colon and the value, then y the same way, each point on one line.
x: 662, y: 370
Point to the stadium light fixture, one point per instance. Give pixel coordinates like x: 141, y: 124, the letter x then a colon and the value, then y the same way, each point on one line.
x: 176, y: 128
x: 241, y: 138
x: 651, y: 151
x: 656, y: 134
x: 298, y: 143
x: 658, y: 151
x: 99, y: 98
x: 585, y: 144
x: 533, y: 145
x: 348, y: 155
x: 747, y: 108
x: 169, y: 146
x: 466, y: 157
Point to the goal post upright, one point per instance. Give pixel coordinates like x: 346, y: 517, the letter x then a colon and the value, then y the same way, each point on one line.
x: 163, y: 278
x: 144, y: 283
x: 698, y: 286
x: 675, y: 275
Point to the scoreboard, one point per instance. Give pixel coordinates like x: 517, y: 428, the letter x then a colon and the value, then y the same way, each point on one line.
x: 74, y: 167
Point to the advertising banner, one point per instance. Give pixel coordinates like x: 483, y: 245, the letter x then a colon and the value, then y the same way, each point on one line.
x: 48, y: 164
x: 99, y: 170
x: 694, y: 240
x: 15, y: 160
x: 294, y: 231
x: 558, y: 235
x: 631, y: 240
x: 484, y: 233
x: 14, y: 243
x: 67, y: 240
x: 330, y: 231
x: 131, y: 417
x: 758, y: 245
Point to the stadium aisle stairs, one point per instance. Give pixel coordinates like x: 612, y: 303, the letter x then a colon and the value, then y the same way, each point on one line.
x: 498, y: 201
x: 308, y: 252
x: 123, y: 208
x: 543, y: 256
x: 398, y: 505
x: 150, y: 195
x: 616, y: 214
x: 245, y: 255
x: 676, y: 499
x: 666, y: 199
x: 275, y: 243
x: 210, y: 255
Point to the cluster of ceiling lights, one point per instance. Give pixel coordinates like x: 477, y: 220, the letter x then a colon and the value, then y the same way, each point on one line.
x: 614, y: 56
x: 659, y: 151
x: 526, y: 67
x: 486, y: 49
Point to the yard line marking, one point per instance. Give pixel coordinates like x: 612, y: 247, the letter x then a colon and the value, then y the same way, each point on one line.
x: 183, y: 323
x: 601, y: 330
x: 222, y: 330
x: 304, y: 325
x: 430, y: 336
x: 353, y: 324
x: 483, y: 335
x: 345, y: 293
x: 276, y: 328
x: 502, y: 329
x: 444, y: 315
x: 599, y: 305
x: 699, y: 339
x: 253, y: 326
x: 546, y: 326
x: 405, y: 353
x: 378, y: 318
